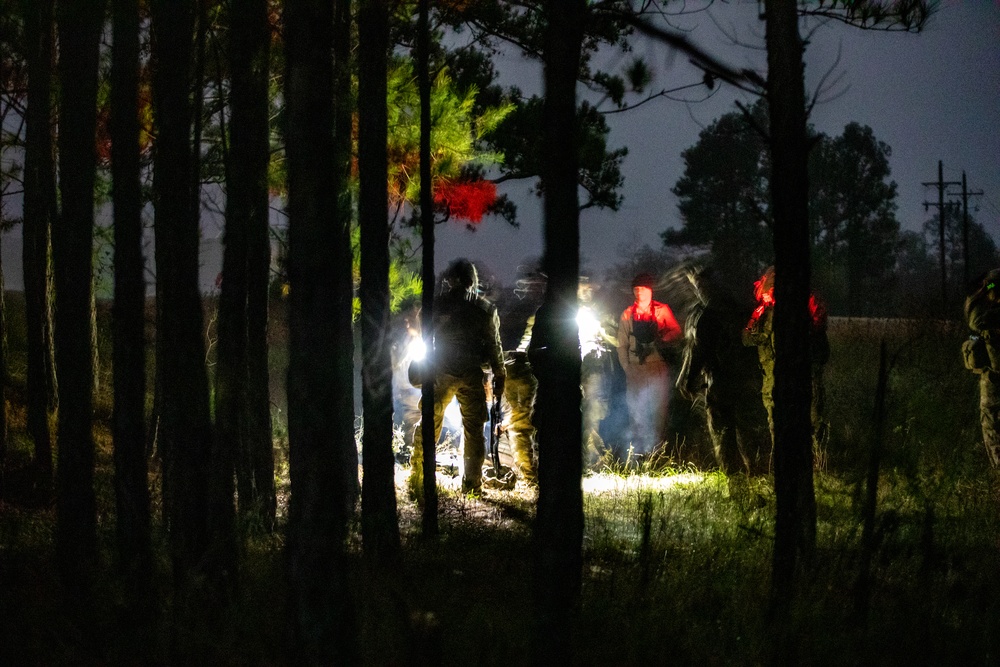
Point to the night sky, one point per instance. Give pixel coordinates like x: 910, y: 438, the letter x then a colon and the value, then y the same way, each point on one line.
x: 930, y: 96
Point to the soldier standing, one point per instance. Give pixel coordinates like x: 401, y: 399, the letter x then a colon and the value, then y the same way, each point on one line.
x: 466, y: 332
x: 759, y: 331
x: 596, y: 367
x: 520, y: 390
x: 982, y: 356
x: 645, y: 329
x: 405, y: 334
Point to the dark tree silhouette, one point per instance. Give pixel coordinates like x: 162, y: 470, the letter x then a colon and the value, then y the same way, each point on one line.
x: 343, y: 133
x: 39, y: 212
x: 258, y: 461
x: 795, y: 521
x: 3, y: 373
x: 429, y: 524
x: 185, y: 429
x: 723, y: 197
x: 554, y: 350
x: 243, y: 411
x: 80, y: 27
x: 132, y: 511
x: 380, y: 530
x: 320, y: 370
x: 852, y: 207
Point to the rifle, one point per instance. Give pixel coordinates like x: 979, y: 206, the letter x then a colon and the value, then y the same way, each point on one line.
x: 495, y: 419
x: 500, y: 477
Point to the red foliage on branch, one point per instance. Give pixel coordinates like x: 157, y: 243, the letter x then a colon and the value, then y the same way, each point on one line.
x: 465, y: 200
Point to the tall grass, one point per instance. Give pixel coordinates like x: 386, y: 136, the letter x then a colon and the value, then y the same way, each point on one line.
x: 676, y: 570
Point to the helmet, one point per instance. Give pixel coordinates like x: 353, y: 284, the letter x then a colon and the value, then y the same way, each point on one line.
x: 991, y: 279
x: 643, y: 279
x: 461, y: 273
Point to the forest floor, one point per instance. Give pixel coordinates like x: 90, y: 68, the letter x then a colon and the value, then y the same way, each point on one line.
x: 676, y: 569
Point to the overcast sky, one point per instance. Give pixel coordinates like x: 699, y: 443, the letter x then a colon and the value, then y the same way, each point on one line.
x: 930, y: 96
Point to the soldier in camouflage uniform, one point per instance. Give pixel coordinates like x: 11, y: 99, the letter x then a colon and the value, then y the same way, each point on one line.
x: 520, y: 389
x: 596, y: 368
x: 466, y: 333
x: 595, y: 344
x: 982, y: 313
x: 760, y: 332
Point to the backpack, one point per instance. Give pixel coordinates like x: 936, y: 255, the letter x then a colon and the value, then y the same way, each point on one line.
x: 975, y: 354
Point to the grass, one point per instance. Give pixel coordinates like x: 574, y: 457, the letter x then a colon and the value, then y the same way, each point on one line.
x: 675, y: 569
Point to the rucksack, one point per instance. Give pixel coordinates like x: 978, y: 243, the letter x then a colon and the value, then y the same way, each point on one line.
x: 975, y: 354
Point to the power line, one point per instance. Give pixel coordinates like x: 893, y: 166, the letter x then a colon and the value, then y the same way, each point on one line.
x: 993, y: 205
x: 965, y: 194
x: 940, y: 204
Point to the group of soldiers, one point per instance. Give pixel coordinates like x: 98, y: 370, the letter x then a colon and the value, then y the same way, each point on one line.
x: 472, y: 367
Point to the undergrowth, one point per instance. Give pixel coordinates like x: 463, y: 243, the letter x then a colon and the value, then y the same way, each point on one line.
x: 676, y: 568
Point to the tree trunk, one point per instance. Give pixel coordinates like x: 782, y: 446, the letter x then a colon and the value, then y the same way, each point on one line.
x: 260, y: 445
x: 128, y: 313
x: 795, y: 523
x: 3, y: 369
x: 555, y: 355
x: 429, y: 522
x: 185, y: 430
x: 72, y: 239
x: 39, y: 211
x: 343, y: 129
x: 321, y: 365
x: 240, y: 423
x: 380, y: 530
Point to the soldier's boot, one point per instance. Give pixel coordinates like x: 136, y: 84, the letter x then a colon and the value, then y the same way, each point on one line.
x: 528, y: 474
x: 525, y: 459
x: 415, y: 486
x: 472, y: 487
x: 472, y: 475
x: 992, y: 442
x: 594, y: 451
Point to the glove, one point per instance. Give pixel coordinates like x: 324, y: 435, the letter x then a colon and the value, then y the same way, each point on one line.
x: 498, y: 383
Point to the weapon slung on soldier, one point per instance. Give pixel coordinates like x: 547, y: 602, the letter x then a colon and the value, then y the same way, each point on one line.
x: 500, y: 476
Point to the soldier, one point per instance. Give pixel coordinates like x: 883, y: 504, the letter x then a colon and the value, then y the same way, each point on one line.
x: 759, y: 331
x: 595, y: 344
x: 466, y: 332
x: 596, y: 367
x: 405, y: 336
x: 520, y: 389
x: 982, y: 356
x: 645, y: 330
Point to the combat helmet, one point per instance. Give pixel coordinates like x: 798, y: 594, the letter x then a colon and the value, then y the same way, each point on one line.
x: 461, y: 274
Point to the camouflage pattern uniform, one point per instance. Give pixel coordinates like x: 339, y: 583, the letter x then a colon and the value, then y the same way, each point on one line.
x: 760, y: 332
x: 520, y: 389
x: 596, y: 367
x: 982, y: 313
x: 405, y: 397
x: 466, y: 340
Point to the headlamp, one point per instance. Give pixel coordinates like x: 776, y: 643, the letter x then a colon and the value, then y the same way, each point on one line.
x: 416, y: 350
x: 589, y: 328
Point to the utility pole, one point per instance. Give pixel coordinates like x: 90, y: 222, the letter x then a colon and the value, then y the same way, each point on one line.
x: 941, y: 185
x: 966, y: 193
